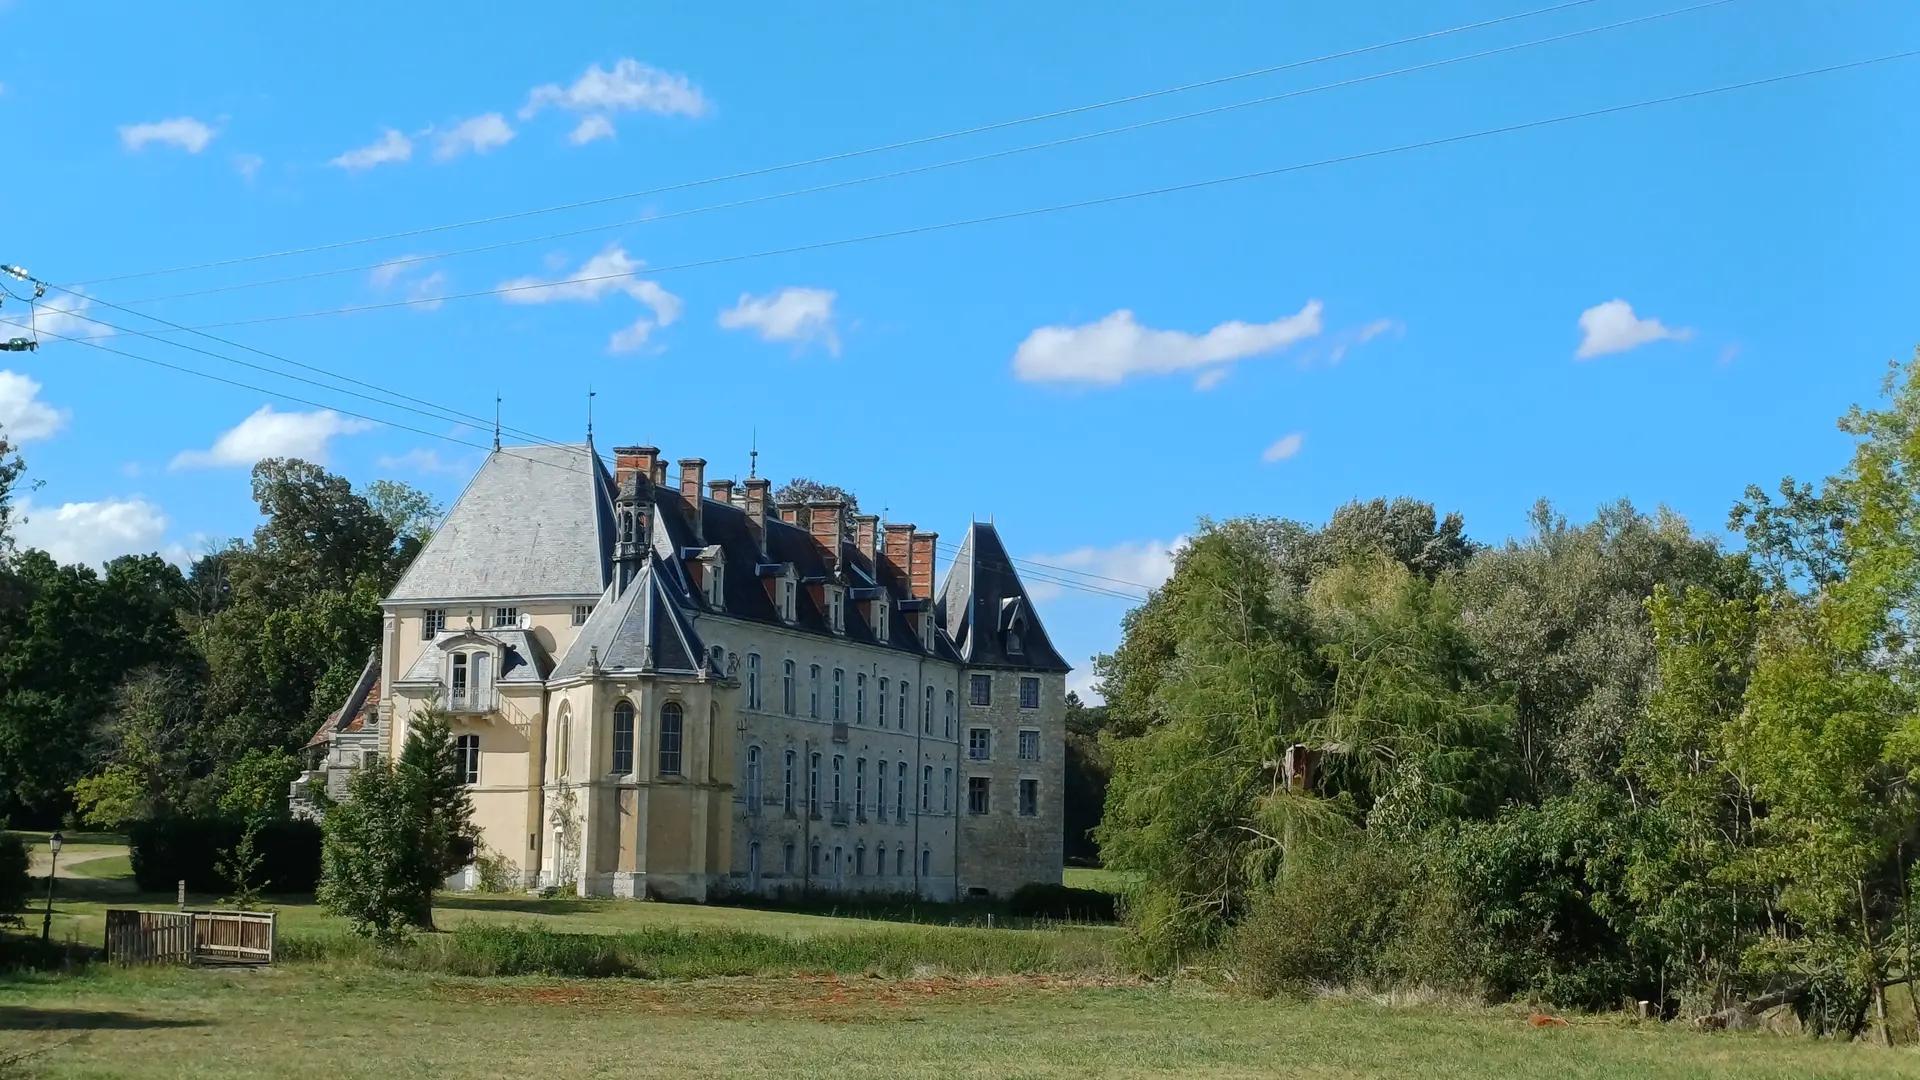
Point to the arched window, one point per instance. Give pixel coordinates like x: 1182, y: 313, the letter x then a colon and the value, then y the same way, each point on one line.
x: 786, y: 687
x: 899, y: 862
x: 753, y: 779
x: 903, y: 705
x: 813, y: 691
x: 949, y: 714
x: 563, y: 744
x: 860, y: 860
x: 482, y: 680
x: 839, y: 693
x: 881, y: 702
x: 859, y: 697
x: 786, y: 795
x: 623, y: 737
x: 753, y: 680
x: 786, y: 859
x: 814, y: 860
x: 926, y: 862
x: 672, y: 722
x: 839, y: 779
x: 813, y: 784
x: 929, y: 716
x: 457, y: 683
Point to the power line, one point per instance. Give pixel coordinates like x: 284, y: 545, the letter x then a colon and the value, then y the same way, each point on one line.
x: 1105, y: 200
x: 847, y: 155
x: 407, y: 260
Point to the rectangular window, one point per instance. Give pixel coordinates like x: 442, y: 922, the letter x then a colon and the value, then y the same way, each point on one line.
x: 899, y: 862
x: 786, y: 785
x: 466, y: 750
x: 813, y: 691
x: 977, y: 794
x: 506, y: 617
x: 839, y: 775
x: 1029, y: 692
x: 814, y: 860
x: 753, y: 680
x: 926, y: 789
x: 880, y: 622
x: 786, y: 687
x: 881, y: 703
x: 838, y: 612
x: 753, y: 779
x: 926, y: 863
x: 900, y: 793
x: 903, y: 705
x: 949, y: 733
x: 432, y: 622
x: 979, y: 743
x: 580, y: 613
x: 981, y: 687
x: 859, y: 697
x: 880, y: 789
x: 859, y: 861
x: 671, y: 719
x: 929, y: 717
x: 1029, y: 798
x: 860, y: 786
x: 946, y: 791
x: 623, y: 738
x: 839, y: 693
x: 786, y: 602
x: 1029, y: 745
x: 813, y: 785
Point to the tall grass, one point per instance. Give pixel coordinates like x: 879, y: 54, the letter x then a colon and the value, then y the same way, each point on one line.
x: 497, y: 949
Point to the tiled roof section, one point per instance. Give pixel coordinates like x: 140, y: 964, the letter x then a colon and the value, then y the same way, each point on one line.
x: 523, y: 658
x: 985, y: 609
x: 362, y: 704
x: 534, y: 521
x: 644, y: 629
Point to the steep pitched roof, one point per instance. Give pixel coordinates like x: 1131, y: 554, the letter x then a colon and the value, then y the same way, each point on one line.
x: 362, y: 704
x: 534, y: 521
x: 985, y: 609
x: 642, y: 630
x: 523, y: 660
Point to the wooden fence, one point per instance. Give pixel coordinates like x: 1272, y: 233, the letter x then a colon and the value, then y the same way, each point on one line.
x: 190, y: 937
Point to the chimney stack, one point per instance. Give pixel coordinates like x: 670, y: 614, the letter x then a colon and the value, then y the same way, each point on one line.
x: 826, y: 521
x: 633, y: 461
x: 722, y: 491
x: 658, y: 468
x: 757, y: 510
x: 920, y: 565
x: 895, y: 549
x: 789, y: 513
x: 866, y: 529
x: 693, y: 475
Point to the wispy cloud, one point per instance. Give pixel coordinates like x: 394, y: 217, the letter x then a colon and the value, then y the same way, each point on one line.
x: 1284, y: 447
x: 425, y: 462
x: 389, y: 147
x: 1612, y: 327
x: 630, y: 87
x: 268, y: 434
x: 1116, y: 348
x: 479, y: 135
x: 593, y: 127
x: 248, y: 165
x: 802, y: 316
x: 611, y: 271
x: 182, y: 132
x: 1139, y: 564
x: 409, y: 275
x: 24, y: 416
x: 59, y: 315
x: 91, y: 533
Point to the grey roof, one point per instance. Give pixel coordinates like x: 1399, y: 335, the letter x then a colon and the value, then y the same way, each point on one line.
x: 986, y: 610
x: 523, y: 659
x: 362, y: 703
x: 643, y: 629
x: 534, y: 521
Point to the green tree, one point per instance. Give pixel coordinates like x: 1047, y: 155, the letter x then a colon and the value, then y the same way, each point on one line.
x: 408, y: 511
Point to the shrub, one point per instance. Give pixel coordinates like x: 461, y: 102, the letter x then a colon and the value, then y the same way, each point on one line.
x: 164, y: 851
x: 15, y: 887
x: 1064, y: 902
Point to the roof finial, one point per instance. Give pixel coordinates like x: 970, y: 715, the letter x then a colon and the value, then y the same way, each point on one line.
x: 496, y: 421
x: 753, y: 456
x: 589, y: 412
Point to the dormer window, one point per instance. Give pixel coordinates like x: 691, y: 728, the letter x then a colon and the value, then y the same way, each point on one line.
x: 836, y: 609
x: 926, y: 630
x: 716, y: 590
x: 788, y: 591
x: 880, y: 621
x: 469, y: 681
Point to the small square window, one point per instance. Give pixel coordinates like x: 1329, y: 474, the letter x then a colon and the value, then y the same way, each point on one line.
x: 977, y: 802
x: 1029, y: 746
x: 506, y: 617
x: 580, y: 613
x: 979, y: 743
x: 1029, y: 798
x: 1029, y: 692
x: 982, y: 689
x: 432, y: 622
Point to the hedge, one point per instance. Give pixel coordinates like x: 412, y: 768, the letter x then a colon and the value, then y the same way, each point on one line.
x: 1043, y: 901
x: 166, y: 851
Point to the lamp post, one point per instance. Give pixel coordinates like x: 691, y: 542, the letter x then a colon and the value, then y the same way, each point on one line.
x: 53, y: 845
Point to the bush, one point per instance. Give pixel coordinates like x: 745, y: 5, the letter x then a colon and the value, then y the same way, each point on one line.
x: 1062, y: 902
x: 164, y: 851
x: 15, y: 888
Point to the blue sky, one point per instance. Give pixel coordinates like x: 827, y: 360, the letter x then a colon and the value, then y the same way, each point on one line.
x: 1664, y: 304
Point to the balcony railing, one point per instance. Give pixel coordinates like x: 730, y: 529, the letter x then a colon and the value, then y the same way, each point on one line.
x: 467, y: 699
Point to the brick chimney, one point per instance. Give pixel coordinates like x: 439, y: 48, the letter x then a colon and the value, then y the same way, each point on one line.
x: 722, y: 491
x: 633, y: 461
x: 658, y: 466
x: 790, y: 513
x: 756, y: 498
x: 894, y: 550
x: 826, y: 520
x: 866, y: 533
x: 693, y: 475
x: 920, y: 565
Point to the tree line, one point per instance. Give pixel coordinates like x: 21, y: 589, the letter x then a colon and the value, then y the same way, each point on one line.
x: 1603, y: 762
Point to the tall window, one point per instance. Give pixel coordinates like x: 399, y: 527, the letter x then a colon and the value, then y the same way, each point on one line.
x: 457, y: 697
x: 979, y: 743
x: 672, y: 720
x: 466, y: 751
x: 786, y: 601
x: 1029, y: 746
x: 926, y: 862
x: 432, y: 621
x: 926, y: 789
x: 580, y: 613
x: 836, y: 610
x: 786, y: 687
x: 900, y: 792
x: 623, y: 737
x: 753, y: 779
x: 839, y: 775
x: 899, y: 862
x: 813, y: 860
x: 860, y: 786
x: 949, y: 714
x: 976, y: 794
x: 813, y: 691
x: 1029, y: 692
x: 753, y: 680
x: 946, y: 791
x: 786, y: 859
x: 813, y: 784
x: 981, y: 689
x: 506, y: 616
x: 786, y: 785
x: 880, y: 629
x: 929, y: 717
x: 859, y: 697
x: 839, y: 693
x: 1029, y: 798
x: 859, y: 860
x: 881, y: 702
x: 905, y: 716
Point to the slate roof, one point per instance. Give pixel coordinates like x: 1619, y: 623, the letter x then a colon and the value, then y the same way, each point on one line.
x: 534, y: 521
x: 643, y: 629
x: 985, y: 609
x: 362, y: 705
x: 523, y: 661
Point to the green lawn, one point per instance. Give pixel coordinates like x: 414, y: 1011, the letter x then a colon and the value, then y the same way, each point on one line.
x: 1086, y: 877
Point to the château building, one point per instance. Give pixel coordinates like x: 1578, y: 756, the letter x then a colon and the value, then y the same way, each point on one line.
x: 675, y: 688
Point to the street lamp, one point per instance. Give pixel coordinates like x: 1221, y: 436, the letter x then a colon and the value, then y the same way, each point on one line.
x: 53, y: 845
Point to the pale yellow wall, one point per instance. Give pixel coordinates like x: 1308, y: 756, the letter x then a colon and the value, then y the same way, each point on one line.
x: 552, y: 626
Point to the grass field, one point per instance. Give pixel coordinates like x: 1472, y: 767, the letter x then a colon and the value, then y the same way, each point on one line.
x: 348, y: 1014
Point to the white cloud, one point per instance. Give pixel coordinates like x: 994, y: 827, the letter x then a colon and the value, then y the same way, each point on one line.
x: 1612, y: 327
x: 1283, y: 448
x: 1210, y: 379
x: 631, y: 85
x: 182, y: 131
x: 248, y: 165
x: 792, y: 314
x: 1107, y: 352
x: 479, y: 134
x: 93, y: 532
x: 1080, y: 681
x: 423, y: 461
x: 23, y: 416
x: 391, y: 146
x: 1141, y: 563
x: 58, y: 315
x: 1356, y: 338
x: 611, y: 271
x: 403, y: 271
x: 268, y: 434
x: 593, y: 127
